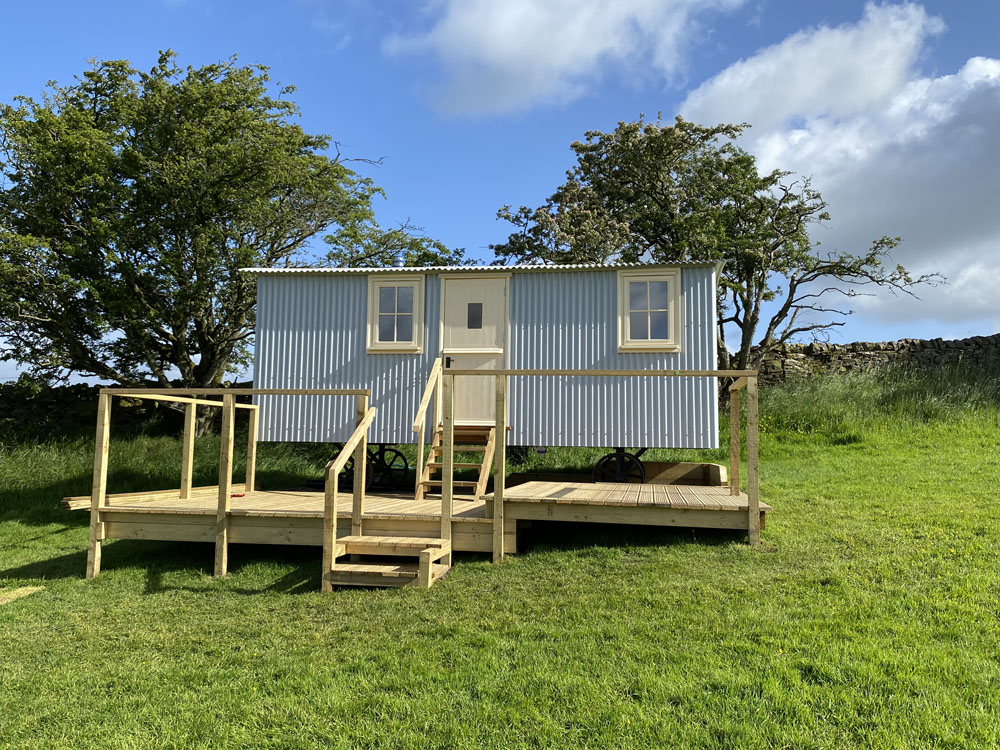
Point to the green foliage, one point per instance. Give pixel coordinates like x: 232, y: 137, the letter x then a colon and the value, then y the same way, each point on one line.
x: 367, y: 245
x: 129, y: 201
x: 683, y: 192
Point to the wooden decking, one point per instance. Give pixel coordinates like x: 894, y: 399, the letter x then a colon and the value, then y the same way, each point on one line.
x: 296, y: 516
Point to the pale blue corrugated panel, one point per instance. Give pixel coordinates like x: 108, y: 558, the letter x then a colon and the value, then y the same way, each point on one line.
x: 311, y: 334
x: 570, y: 322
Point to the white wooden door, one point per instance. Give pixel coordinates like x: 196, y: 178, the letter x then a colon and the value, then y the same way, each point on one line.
x: 474, y: 316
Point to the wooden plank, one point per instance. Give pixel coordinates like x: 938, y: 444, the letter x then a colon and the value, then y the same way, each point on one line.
x: 99, y: 485
x: 612, y: 373
x: 624, y: 514
x: 499, y: 467
x: 225, y: 486
x: 360, y: 433
x: 429, y: 390
x: 237, y: 391
x: 734, y: 443
x: 329, y: 529
x: 360, y: 465
x: 753, y: 465
x: 162, y: 532
x: 187, y: 450
x: 448, y: 456
x: 251, y: 474
x: 738, y: 384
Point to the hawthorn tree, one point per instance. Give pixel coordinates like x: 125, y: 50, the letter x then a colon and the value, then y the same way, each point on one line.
x: 130, y: 200
x: 653, y: 192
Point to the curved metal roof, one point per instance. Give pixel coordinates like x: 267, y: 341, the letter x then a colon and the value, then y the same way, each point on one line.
x: 521, y: 268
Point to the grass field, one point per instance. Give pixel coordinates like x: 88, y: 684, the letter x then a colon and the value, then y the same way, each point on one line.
x: 869, y: 617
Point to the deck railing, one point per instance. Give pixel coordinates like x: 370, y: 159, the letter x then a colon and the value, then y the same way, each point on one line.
x: 742, y: 379
x: 431, y: 390
x: 193, y: 398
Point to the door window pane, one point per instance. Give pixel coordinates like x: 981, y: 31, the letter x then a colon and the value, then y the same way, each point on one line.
x: 475, y: 315
x: 637, y: 295
x: 387, y: 300
x: 658, y: 296
x: 404, y: 299
x: 658, y: 328
x: 639, y: 325
x: 404, y: 328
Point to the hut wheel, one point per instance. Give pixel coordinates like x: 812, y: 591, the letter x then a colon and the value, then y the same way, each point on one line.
x: 388, y: 466
x: 619, y: 466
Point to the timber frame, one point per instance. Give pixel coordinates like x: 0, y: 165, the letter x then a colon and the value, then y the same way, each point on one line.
x: 486, y: 524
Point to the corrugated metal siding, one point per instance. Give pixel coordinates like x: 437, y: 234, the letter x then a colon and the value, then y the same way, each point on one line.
x: 560, y: 325
x: 311, y: 334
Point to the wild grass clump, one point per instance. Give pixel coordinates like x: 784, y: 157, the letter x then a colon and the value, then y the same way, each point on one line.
x: 843, y: 405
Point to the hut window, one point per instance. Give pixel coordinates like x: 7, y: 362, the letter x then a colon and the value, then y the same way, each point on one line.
x: 648, y: 311
x: 395, y: 312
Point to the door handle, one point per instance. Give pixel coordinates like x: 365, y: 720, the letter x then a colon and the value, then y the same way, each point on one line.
x: 448, y: 361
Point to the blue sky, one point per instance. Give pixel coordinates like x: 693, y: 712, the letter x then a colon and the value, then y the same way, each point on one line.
x: 892, y: 108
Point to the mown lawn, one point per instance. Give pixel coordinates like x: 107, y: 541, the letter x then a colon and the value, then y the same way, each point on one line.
x: 868, y: 618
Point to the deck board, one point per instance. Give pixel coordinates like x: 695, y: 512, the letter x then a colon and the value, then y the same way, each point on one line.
x: 678, y: 497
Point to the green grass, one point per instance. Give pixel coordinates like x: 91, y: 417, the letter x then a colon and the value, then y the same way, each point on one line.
x: 869, y: 617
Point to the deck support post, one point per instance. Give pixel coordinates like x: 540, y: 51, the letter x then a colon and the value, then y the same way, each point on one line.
x: 99, y: 486
x: 329, y: 530
x: 734, y: 443
x: 499, y: 467
x: 753, y: 465
x: 251, y: 475
x: 225, y: 486
x: 447, y: 457
x: 360, y: 467
x: 187, y: 450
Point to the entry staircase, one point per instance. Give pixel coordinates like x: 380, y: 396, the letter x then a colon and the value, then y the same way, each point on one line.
x: 479, y: 443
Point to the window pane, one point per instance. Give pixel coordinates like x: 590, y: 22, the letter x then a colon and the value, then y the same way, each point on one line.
x: 404, y: 299
x: 386, y: 299
x: 404, y: 328
x: 475, y: 315
x: 658, y: 295
x: 658, y: 326
x: 637, y: 295
x: 638, y: 326
x: 386, y: 327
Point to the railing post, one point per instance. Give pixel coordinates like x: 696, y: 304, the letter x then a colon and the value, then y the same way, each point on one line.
x: 753, y: 465
x: 329, y: 530
x: 187, y: 450
x: 448, y: 456
x: 251, y: 475
x: 225, y: 486
x: 360, y: 467
x: 99, y: 485
x: 499, y: 466
x: 734, y: 442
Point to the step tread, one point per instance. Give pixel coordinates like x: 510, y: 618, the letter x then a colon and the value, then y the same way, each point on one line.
x: 455, y: 483
x: 456, y: 464
x: 462, y: 448
x: 416, y: 542
x: 386, y: 570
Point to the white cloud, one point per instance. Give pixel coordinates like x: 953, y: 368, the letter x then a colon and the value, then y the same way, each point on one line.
x: 507, y: 56
x: 893, y: 151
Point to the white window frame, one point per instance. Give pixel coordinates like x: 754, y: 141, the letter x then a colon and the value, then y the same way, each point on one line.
x: 674, y: 307
x: 375, y: 283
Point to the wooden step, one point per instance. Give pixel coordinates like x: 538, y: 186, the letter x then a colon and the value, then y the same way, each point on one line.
x: 455, y: 483
x: 461, y: 449
x: 390, y: 545
x: 382, y: 574
x: 456, y: 464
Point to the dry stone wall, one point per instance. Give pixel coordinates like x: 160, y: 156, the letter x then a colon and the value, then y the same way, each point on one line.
x: 802, y: 360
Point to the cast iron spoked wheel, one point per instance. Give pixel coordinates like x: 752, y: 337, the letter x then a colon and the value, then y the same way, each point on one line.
x: 388, y: 467
x: 619, y: 467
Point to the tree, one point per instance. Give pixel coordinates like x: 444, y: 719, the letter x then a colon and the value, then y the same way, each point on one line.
x: 128, y: 203
x: 367, y: 245
x: 684, y: 192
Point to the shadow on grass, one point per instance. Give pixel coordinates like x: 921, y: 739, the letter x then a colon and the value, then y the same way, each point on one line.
x: 565, y: 535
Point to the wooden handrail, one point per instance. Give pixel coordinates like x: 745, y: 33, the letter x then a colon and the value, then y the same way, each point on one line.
x: 613, y: 373
x: 738, y: 384
x: 335, y: 465
x: 238, y: 391
x: 425, y: 400
x: 179, y: 399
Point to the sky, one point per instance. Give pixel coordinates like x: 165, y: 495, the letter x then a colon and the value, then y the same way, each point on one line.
x: 891, y: 109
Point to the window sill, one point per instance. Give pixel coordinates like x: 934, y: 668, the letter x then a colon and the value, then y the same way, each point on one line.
x: 394, y: 349
x: 656, y: 347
